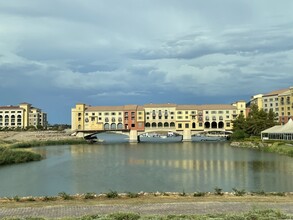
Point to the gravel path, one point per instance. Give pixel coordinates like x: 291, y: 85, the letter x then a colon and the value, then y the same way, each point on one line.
x: 144, y: 209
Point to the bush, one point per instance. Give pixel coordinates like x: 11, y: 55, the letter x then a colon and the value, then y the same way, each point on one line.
x: 89, y: 195
x: 112, y: 194
x: 218, y: 191
x: 124, y: 216
x: 239, y: 192
x: 65, y: 196
x: 132, y: 195
x: 199, y: 194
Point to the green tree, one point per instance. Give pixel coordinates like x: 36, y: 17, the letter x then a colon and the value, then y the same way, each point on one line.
x: 256, y: 121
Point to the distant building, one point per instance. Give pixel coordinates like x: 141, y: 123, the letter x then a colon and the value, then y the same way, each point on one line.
x: 156, y: 116
x: 278, y: 101
x: 22, y: 116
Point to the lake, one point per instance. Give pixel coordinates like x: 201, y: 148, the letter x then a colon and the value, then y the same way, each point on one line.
x: 148, y: 167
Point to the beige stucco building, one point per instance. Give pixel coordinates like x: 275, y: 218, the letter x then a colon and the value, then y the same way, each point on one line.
x: 149, y: 117
x: 278, y: 101
x: 22, y: 116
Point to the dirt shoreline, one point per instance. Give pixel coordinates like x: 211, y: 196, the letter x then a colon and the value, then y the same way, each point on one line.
x: 25, y: 136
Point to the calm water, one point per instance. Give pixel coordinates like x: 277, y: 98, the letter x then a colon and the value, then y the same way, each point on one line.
x: 196, y: 166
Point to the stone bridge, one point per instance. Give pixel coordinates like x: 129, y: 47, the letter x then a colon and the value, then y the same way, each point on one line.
x: 134, y: 134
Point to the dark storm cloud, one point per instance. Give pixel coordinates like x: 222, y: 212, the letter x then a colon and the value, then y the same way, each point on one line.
x: 135, y: 51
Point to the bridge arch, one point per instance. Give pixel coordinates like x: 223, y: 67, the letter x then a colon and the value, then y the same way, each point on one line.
x: 106, y: 126
x: 113, y: 126
x: 119, y: 126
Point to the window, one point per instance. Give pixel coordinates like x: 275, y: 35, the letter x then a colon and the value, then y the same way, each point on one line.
x: 179, y: 112
x: 220, y: 112
x: 186, y: 117
x: 106, y: 113
x: 132, y: 125
x: 207, y: 112
x: 140, y: 113
x: 265, y: 100
x: 154, y: 117
x: 113, y: 113
x: 200, y: 124
x: 228, y: 124
x: 179, y: 125
x: 186, y: 112
x: 214, y: 112
x: 179, y: 117
x: 186, y: 125
x: 93, y: 113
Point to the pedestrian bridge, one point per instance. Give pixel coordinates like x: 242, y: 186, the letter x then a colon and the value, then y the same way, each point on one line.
x: 134, y: 134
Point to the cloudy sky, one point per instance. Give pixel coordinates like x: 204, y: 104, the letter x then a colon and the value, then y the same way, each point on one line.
x: 57, y: 53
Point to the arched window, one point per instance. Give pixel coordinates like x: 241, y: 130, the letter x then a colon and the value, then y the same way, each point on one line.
x: 166, y: 124
x: 154, y: 125
x: 207, y: 125
x: 214, y: 124
x: 172, y: 124
x: 160, y: 124
x: 147, y: 125
x: 221, y: 124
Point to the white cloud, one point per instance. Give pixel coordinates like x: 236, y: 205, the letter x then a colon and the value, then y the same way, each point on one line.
x: 137, y: 48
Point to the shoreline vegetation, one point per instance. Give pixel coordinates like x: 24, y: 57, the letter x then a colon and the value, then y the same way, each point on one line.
x: 280, y: 147
x: 115, y: 199
x: 12, y: 144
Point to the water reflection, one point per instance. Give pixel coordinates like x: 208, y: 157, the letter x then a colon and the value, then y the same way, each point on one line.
x: 147, y: 167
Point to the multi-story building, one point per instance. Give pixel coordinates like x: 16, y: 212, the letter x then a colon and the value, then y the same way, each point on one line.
x: 162, y: 117
x: 278, y: 101
x: 22, y: 116
x: 286, y: 106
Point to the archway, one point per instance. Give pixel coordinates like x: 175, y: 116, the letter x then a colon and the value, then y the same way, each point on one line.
x: 160, y: 124
x: 214, y: 124
x: 172, y: 124
x: 207, y: 125
x: 113, y: 126
x: 119, y: 126
x: 154, y: 125
x: 106, y: 126
x: 221, y: 124
x: 147, y: 125
x: 166, y: 125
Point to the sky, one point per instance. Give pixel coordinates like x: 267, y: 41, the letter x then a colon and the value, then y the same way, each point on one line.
x: 54, y: 54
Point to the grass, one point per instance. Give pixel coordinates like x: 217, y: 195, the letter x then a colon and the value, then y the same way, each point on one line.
x: 265, y: 214
x: 35, y: 143
x: 280, y: 147
x: 10, y: 156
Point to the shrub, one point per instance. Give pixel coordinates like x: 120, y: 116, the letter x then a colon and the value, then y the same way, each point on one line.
x: 89, y: 195
x: 124, y: 216
x: 65, y: 196
x: 112, y: 194
x: 16, y: 198
x: 49, y: 198
x: 183, y: 193
x: 261, y: 192
x: 239, y: 192
x: 199, y: 194
x: 218, y: 191
x: 132, y: 195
